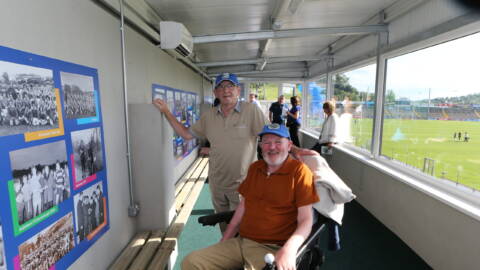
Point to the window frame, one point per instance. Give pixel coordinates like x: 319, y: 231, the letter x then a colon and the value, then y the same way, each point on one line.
x: 463, y: 198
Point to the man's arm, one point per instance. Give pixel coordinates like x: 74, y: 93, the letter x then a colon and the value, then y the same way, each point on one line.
x: 176, y: 125
x: 234, y: 224
x: 298, y: 152
x: 286, y: 256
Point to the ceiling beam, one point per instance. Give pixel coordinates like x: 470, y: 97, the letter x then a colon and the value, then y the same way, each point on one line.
x: 261, y: 60
x: 284, y: 10
x: 254, y: 72
x: 394, y: 11
x: 273, y: 34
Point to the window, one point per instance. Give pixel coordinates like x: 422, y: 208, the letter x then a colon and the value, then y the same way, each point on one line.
x: 354, y: 93
x: 316, y: 95
x: 432, y: 111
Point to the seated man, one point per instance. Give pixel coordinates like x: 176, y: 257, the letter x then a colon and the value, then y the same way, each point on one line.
x: 274, y: 215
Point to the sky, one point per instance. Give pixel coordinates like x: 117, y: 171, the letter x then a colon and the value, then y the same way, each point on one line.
x: 45, y: 154
x: 445, y: 70
x: 13, y: 69
x: 84, y: 82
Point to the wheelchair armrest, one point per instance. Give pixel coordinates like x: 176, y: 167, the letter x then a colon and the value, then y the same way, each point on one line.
x: 212, y: 220
x: 313, y: 238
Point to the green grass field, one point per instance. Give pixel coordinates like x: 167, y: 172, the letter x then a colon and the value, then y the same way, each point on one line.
x: 411, y: 141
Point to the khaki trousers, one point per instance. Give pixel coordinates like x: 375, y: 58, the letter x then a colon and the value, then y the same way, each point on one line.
x: 224, y: 200
x: 234, y: 253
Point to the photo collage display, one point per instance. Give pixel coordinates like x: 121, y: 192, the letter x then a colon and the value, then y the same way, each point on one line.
x: 186, y: 108
x: 53, y: 180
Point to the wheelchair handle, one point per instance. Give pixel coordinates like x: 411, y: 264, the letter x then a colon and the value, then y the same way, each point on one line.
x: 269, y: 262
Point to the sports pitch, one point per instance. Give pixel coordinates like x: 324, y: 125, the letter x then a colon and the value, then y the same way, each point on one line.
x: 411, y: 141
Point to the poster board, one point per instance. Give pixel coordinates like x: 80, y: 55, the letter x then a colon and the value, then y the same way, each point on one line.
x: 53, y: 180
x: 185, y: 106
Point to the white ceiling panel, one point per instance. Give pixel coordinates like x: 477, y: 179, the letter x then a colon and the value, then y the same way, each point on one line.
x: 214, y: 17
x: 334, y: 13
x: 227, y: 50
x: 298, y: 46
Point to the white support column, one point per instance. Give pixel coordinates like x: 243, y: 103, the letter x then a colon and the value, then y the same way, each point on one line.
x: 329, y: 90
x: 246, y: 86
x: 280, y: 89
x: 305, y: 104
x: 382, y: 42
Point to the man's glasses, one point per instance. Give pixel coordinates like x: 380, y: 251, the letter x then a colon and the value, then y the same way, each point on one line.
x: 225, y: 86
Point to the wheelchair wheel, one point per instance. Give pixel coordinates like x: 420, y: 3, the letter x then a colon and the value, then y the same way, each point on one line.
x: 311, y: 260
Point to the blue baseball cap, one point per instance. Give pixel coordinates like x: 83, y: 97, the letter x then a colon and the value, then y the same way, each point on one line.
x: 226, y: 77
x: 276, y: 129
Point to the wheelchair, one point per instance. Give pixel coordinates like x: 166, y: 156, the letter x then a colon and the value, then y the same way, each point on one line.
x: 309, y: 255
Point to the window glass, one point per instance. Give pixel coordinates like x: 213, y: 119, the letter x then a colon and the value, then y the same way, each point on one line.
x: 287, y: 90
x: 316, y: 95
x: 432, y: 110
x: 354, y: 94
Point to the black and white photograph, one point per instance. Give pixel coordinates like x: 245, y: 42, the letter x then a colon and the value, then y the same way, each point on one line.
x: 89, y: 211
x: 88, y: 154
x: 40, y: 178
x: 170, y: 100
x: 27, y: 99
x: 159, y: 93
x: 48, y: 246
x: 3, y: 262
x: 79, y: 98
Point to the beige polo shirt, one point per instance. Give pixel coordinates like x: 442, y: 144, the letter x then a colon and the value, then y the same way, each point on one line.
x: 233, y: 142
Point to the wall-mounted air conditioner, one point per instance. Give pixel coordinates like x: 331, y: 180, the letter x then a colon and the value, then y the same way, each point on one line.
x: 174, y: 36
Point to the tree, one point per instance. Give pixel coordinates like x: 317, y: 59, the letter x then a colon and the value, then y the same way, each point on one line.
x: 342, y: 88
x: 390, y: 97
x: 259, y: 89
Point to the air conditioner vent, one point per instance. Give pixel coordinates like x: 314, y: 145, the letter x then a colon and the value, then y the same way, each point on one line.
x: 174, y: 36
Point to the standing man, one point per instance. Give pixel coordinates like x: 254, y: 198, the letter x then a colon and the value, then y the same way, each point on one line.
x: 274, y: 216
x: 278, y: 111
x: 231, y: 128
x: 252, y: 98
x: 329, y: 134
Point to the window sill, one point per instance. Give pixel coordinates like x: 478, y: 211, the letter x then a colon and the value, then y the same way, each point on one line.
x: 462, y: 198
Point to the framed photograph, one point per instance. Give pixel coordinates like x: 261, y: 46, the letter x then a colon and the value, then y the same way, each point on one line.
x: 90, y: 206
x: 47, y: 247
x: 40, y: 183
x: 3, y: 262
x: 79, y: 97
x: 28, y: 100
x: 87, y: 157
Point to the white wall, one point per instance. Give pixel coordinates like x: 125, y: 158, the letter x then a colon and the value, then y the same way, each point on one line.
x: 443, y: 236
x: 80, y: 32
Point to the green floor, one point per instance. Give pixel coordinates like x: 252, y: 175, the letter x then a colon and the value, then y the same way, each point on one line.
x: 366, y: 243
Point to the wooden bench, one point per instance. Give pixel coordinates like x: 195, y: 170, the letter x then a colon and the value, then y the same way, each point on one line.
x: 152, y: 249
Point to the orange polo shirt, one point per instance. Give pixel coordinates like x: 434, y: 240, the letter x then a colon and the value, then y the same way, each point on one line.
x: 272, y: 201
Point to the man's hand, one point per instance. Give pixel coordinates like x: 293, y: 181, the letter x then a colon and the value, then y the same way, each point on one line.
x: 298, y: 153
x: 285, y: 259
x: 161, y: 105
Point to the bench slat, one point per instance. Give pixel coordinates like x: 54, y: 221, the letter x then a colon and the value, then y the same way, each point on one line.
x: 187, y: 188
x: 129, y: 253
x: 144, y: 257
x: 171, y: 238
x: 147, y: 250
x: 180, y: 183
